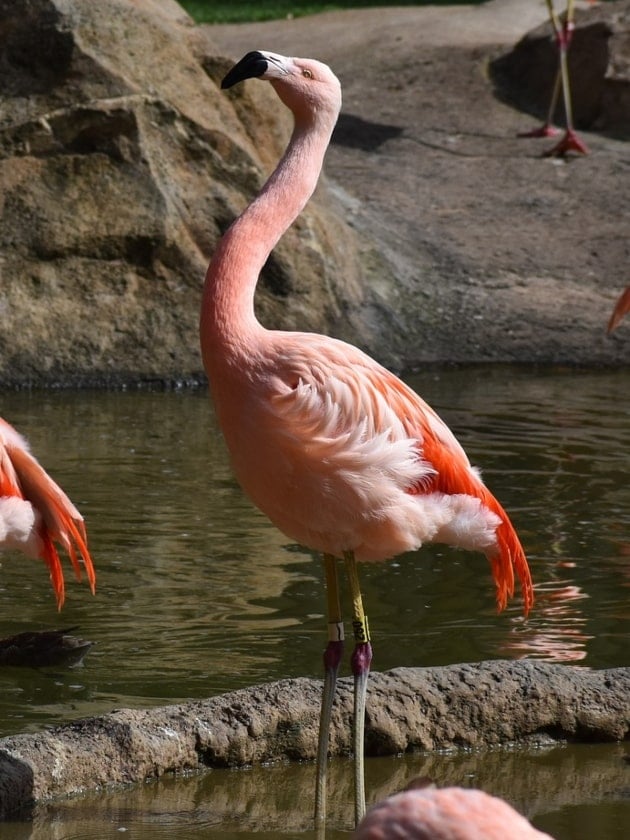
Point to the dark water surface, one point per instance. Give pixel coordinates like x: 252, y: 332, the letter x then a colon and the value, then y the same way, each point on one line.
x: 198, y: 594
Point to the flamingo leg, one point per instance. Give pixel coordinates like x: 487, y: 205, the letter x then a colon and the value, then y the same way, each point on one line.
x: 553, y: 104
x: 548, y: 129
x: 570, y: 142
x: 332, y: 658
x: 360, y: 663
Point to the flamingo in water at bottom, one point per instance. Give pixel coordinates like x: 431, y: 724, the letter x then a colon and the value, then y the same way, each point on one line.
x: 35, y: 513
x: 453, y: 813
x: 340, y: 454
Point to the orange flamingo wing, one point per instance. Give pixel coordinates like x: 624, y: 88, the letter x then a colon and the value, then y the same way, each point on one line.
x: 622, y: 307
x: 453, y: 475
x: 55, y: 518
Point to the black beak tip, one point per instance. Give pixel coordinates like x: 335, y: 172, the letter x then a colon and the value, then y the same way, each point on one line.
x: 251, y: 66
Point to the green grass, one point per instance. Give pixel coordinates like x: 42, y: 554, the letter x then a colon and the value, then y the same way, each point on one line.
x: 242, y: 11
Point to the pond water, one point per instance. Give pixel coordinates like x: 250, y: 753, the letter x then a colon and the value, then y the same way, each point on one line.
x: 198, y: 594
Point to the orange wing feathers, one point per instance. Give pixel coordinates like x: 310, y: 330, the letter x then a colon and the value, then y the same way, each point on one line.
x: 56, y: 519
x: 453, y: 474
x: 622, y: 307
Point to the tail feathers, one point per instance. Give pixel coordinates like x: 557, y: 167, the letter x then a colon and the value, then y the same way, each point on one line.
x: 454, y: 475
x: 61, y: 522
x: 506, y: 555
x: 70, y: 533
x: 508, y: 558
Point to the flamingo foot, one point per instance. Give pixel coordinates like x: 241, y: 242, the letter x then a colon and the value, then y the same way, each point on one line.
x: 569, y: 143
x: 546, y: 130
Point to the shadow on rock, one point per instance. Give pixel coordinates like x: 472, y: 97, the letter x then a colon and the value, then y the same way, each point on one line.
x: 598, y: 67
x: 357, y: 133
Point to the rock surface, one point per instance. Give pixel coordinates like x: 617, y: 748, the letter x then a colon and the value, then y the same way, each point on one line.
x: 438, y: 238
x: 121, y: 163
x: 459, y: 706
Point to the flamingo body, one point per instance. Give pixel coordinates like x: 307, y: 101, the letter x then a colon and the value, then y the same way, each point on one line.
x: 338, y: 452
x: 35, y: 513
x: 342, y: 455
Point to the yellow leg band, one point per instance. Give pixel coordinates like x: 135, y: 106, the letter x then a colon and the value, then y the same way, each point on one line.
x: 361, y: 629
x: 359, y: 620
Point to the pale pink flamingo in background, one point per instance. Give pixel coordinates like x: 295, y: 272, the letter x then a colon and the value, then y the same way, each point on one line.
x: 622, y: 307
x: 454, y: 813
x: 341, y: 455
x: 35, y: 513
x: 563, y: 33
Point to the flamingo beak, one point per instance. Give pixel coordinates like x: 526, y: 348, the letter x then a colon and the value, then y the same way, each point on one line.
x: 251, y: 66
x: 255, y: 65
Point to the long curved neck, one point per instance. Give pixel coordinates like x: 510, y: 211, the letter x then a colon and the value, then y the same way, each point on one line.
x: 228, y: 322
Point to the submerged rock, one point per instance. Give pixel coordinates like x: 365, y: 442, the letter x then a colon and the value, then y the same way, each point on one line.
x: 42, y: 648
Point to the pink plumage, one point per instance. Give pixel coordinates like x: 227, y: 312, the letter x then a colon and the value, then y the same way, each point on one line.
x: 338, y: 452
x: 445, y: 814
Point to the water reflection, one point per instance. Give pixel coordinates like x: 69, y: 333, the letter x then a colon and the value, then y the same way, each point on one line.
x: 556, y: 633
x: 575, y: 793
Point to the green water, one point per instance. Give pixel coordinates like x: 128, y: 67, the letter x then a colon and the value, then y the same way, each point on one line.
x: 198, y: 594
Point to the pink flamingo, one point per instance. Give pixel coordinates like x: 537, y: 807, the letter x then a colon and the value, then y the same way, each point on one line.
x: 563, y: 33
x: 622, y: 307
x: 341, y: 455
x: 35, y: 513
x: 445, y: 814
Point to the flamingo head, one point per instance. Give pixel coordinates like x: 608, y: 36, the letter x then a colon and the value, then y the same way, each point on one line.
x: 303, y: 84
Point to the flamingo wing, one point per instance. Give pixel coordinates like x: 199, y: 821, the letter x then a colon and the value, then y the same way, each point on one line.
x: 622, y: 307
x: 54, y: 518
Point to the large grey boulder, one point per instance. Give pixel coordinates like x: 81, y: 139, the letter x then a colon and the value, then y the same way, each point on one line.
x: 121, y: 163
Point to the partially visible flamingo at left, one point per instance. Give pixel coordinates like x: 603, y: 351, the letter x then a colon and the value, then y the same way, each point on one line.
x: 36, y: 514
x: 622, y: 307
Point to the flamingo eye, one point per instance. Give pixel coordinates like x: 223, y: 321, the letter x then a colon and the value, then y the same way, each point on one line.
x: 308, y: 74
